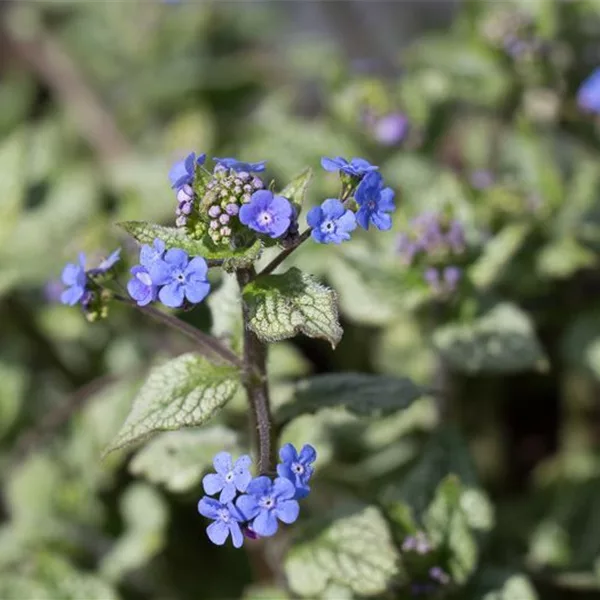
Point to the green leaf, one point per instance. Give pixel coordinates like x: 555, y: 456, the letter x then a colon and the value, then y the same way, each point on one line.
x: 185, y: 392
x: 498, y: 253
x: 361, y: 394
x: 295, y: 190
x: 501, y: 341
x: 146, y: 233
x: 280, y: 306
x: 178, y: 459
x: 226, y: 310
x: 580, y: 345
x: 563, y: 257
x: 498, y: 584
x: 353, y: 550
x: 13, y: 165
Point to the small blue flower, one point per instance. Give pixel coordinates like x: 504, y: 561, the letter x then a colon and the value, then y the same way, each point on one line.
x: 374, y: 202
x: 331, y: 223
x: 239, y: 166
x: 266, y: 213
x: 74, y: 276
x: 452, y: 277
x: 140, y: 286
x: 182, y: 172
x: 106, y: 264
x: 297, y: 467
x: 588, y: 96
x: 357, y: 167
x: 181, y: 278
x: 229, y: 478
x: 226, y: 518
x: 266, y: 501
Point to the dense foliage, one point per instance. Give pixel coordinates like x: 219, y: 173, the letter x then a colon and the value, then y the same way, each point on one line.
x: 424, y: 323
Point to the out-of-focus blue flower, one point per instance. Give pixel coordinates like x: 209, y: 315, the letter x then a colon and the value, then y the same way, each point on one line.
x: 452, y: 277
x: 588, y: 95
x: 439, y: 575
x: 374, y: 202
x: 74, y: 277
x: 229, y: 478
x: 446, y: 282
x: 391, y: 129
x: 226, y: 518
x: 331, y: 223
x: 481, y: 179
x: 182, y: 172
x: 416, y: 543
x: 266, y: 213
x: 266, y: 502
x: 180, y: 278
x: 106, y: 264
x: 140, y: 286
x: 297, y: 467
x: 239, y: 166
x: 357, y: 167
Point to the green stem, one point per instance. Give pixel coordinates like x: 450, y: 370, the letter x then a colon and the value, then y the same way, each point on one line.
x: 257, y: 386
x: 285, y: 253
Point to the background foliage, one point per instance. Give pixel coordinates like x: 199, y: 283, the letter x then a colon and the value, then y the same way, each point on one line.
x: 472, y: 419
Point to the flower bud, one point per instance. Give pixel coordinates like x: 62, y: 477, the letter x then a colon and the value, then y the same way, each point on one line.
x: 214, y: 211
x: 224, y: 219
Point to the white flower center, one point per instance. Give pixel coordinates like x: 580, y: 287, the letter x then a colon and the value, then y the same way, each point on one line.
x: 265, y: 218
x: 229, y: 477
x: 328, y: 226
x: 267, y: 502
x: 298, y: 468
x: 223, y: 515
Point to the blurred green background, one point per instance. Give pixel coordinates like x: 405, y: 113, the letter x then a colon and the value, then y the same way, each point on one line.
x: 98, y: 99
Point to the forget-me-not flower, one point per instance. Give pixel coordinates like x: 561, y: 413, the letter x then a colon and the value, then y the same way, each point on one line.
x: 226, y: 518
x: 266, y: 213
x: 357, y: 167
x: 374, y: 202
x: 297, y: 467
x: 239, y: 166
x: 229, y: 478
x: 180, y: 278
x: 331, y: 223
x: 265, y: 502
x: 588, y: 95
x: 182, y: 172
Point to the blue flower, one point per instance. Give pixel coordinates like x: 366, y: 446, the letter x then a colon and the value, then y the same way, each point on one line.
x: 181, y: 278
x: 266, y: 213
x: 588, y: 95
x: 74, y: 276
x: 374, y: 201
x: 266, y: 501
x: 140, y: 286
x: 357, y: 167
x: 106, y: 264
x: 297, y: 467
x: 239, y: 166
x: 331, y: 223
x: 229, y: 478
x: 226, y: 521
x: 182, y: 172
x: 150, y: 254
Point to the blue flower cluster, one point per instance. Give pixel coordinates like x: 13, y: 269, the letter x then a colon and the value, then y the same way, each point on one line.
x: 429, y: 579
x: 333, y: 221
x: 261, y: 501
x: 434, y: 238
x: 168, y: 275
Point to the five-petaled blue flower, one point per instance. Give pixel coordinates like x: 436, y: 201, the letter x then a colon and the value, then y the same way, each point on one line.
x: 331, y: 223
x: 182, y: 172
x: 267, y: 501
x: 588, y: 96
x: 297, y: 467
x: 357, y: 167
x: 267, y: 213
x: 181, y: 278
x: 229, y: 478
x: 374, y: 202
x: 226, y: 518
x: 239, y: 166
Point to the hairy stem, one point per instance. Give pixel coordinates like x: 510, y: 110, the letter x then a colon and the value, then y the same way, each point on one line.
x: 257, y: 386
x: 285, y: 253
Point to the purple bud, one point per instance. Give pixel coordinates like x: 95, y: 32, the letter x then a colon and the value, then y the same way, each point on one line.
x: 237, y: 189
x: 225, y: 231
x: 452, y: 276
x: 224, y: 219
x: 214, y: 225
x: 248, y: 188
x: 243, y: 175
x: 185, y: 194
x: 391, y: 129
x: 180, y: 221
x: 214, y: 211
x: 185, y: 208
x: 257, y: 183
x: 250, y: 533
x: 456, y: 236
x: 406, y: 248
x: 409, y: 543
x: 439, y: 575
x: 246, y: 198
x: 232, y: 209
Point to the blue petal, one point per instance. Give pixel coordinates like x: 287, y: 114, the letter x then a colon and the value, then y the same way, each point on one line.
x: 160, y: 272
x: 106, y: 264
x: 228, y: 494
x: 288, y: 454
x: 70, y: 273
x: 287, y: 511
x: 189, y: 161
x: 386, y: 200
x: 314, y: 217
x: 382, y: 221
x: 218, y: 532
x: 178, y: 174
x: 333, y: 164
x: 195, y: 292
x: 143, y: 294
x: 260, y: 486
x: 222, y: 463
x: 362, y: 217
x: 209, y: 507
x: 213, y: 483
x: 201, y: 159
x: 171, y: 295
x: 246, y: 215
x: 308, y: 454
x: 265, y: 523
x: 318, y: 236
x: 283, y: 489
x: 284, y: 470
x: 347, y: 222
x: 177, y: 257
x: 198, y: 267
x: 236, y: 535
x: 248, y: 506
x: 332, y: 208
x: 72, y: 295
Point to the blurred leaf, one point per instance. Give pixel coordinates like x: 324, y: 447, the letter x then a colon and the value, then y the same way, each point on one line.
x: 362, y: 394
x: 562, y: 258
x: 580, y: 346
x: 280, y: 306
x: 178, y: 459
x: 258, y: 592
x: 501, y: 341
x: 295, y: 191
x: 226, y: 311
x: 13, y: 380
x: 145, y: 516
x: 184, y: 392
x: 498, y: 584
x: 13, y: 182
x: 352, y: 549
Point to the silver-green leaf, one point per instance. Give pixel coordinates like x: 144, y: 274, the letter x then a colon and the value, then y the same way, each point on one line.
x: 295, y: 190
x: 281, y: 306
x: 353, y: 550
x: 185, y: 392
